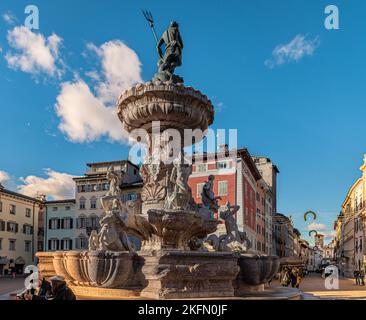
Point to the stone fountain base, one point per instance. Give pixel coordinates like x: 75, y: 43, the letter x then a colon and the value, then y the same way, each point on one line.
x: 187, y: 274
x: 165, y: 274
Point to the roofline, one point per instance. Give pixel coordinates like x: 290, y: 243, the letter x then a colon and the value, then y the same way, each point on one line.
x: 16, y: 194
x: 60, y: 201
x: 273, y: 165
x: 111, y: 162
x: 350, y: 190
x: 240, y: 153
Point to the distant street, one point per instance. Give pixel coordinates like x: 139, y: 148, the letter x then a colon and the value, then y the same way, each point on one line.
x: 313, y: 286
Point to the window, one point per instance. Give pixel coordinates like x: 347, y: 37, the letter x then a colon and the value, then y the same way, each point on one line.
x: 199, y: 189
x: 12, y: 227
x: 222, y: 165
x: 67, y: 223
x: 66, y: 244
x: 13, y: 209
x: 54, y: 208
x: 93, y: 222
x: 53, y: 244
x: 81, y: 222
x: 81, y: 242
x: 54, y: 224
x: 27, y: 229
x: 222, y: 188
x: 27, y: 246
x: 11, y: 244
x: 28, y: 212
x: 82, y: 203
x: 202, y: 167
x: 1, y: 206
x: 1, y: 244
x: 2, y: 225
x: 67, y: 208
x: 93, y: 203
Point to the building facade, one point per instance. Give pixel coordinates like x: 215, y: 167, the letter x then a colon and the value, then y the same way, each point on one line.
x: 19, y: 230
x: 92, y: 186
x: 60, y: 228
x: 283, y: 236
x: 238, y: 181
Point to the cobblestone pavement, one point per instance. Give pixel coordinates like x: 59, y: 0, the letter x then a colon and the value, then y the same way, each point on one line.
x: 8, y: 285
x: 313, y: 287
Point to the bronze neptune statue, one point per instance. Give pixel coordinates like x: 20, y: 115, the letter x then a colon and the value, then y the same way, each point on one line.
x: 172, y: 56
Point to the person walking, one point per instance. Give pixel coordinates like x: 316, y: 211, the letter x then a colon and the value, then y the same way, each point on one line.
x: 362, y: 277
x: 293, y: 277
x: 285, y: 278
x: 356, y: 274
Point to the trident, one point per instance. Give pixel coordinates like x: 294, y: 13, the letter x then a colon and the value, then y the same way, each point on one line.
x: 148, y: 16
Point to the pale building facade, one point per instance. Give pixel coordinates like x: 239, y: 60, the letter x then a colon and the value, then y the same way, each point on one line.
x: 19, y: 226
x: 60, y: 228
x: 92, y: 186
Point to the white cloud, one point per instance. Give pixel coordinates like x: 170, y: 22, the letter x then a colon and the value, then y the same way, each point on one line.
x: 295, y: 50
x: 317, y: 226
x: 32, y: 52
x: 4, y: 176
x: 84, y: 117
x: 9, y: 18
x: 87, y: 115
x: 56, y: 185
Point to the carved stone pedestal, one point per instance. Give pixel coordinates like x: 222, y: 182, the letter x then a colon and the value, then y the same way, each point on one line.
x: 186, y: 274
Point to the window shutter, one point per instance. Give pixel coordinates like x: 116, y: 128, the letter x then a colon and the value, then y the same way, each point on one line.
x: 49, y: 224
x: 2, y: 226
x: 49, y: 245
x: 62, y: 223
x: 58, y: 223
x: 24, y: 228
x: 70, y: 243
x: 58, y: 244
x: 8, y: 226
x: 62, y: 242
x: 71, y: 223
x: 16, y: 228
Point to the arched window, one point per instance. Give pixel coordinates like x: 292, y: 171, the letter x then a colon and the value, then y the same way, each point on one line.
x: 81, y: 242
x: 93, y: 203
x: 82, y: 201
x: 81, y: 222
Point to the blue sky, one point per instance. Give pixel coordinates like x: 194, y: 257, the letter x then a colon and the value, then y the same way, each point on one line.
x: 306, y: 115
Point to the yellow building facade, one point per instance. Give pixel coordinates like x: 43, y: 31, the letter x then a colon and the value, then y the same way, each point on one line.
x: 20, y: 218
x: 350, y: 228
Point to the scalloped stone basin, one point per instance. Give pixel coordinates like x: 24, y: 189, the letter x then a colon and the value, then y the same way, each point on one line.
x: 104, y: 269
x: 174, y: 228
x: 175, y: 106
x: 255, y: 271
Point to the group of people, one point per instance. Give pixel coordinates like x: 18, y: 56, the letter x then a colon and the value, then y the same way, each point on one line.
x: 54, y: 289
x: 291, y: 276
x: 359, y: 277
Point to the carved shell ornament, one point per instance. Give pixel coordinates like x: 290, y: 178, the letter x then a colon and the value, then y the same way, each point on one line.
x: 152, y: 192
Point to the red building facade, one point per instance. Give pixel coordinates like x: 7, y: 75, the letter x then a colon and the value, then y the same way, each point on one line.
x: 235, y: 181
